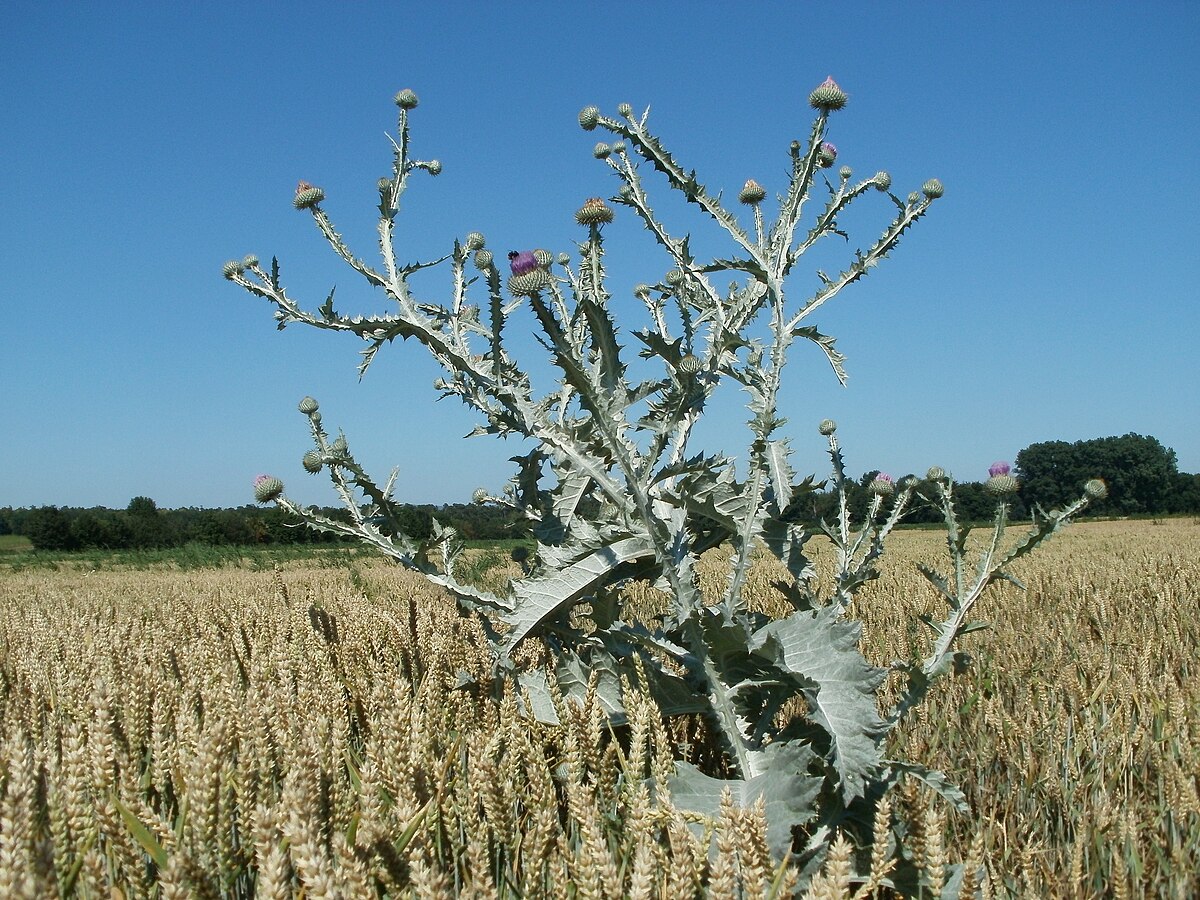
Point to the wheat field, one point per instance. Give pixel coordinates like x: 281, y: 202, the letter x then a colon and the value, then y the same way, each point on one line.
x: 302, y: 733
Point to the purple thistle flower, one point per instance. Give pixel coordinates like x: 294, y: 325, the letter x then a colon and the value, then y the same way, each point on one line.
x: 829, y: 149
x: 883, y: 476
x: 998, y: 468
x: 522, y: 262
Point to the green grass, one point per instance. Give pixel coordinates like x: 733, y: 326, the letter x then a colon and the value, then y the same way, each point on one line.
x: 14, y: 543
x: 17, y: 554
x: 189, y: 556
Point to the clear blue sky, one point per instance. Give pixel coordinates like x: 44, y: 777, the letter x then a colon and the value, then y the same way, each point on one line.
x: 1050, y: 295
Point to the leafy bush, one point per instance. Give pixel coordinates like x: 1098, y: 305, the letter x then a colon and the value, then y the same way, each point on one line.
x: 614, y: 494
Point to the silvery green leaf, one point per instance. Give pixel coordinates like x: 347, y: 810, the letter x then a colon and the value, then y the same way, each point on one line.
x: 839, y: 686
x: 786, y: 541
x: 536, y: 689
x: 574, y: 673
x: 937, y: 581
x: 657, y: 345
x: 326, y: 308
x: 539, y: 597
x: 931, y: 778
x: 571, y: 488
x: 775, y: 454
x: 700, y: 463
x: 604, y: 342
x: 715, y: 497
x: 836, y: 359
x: 788, y: 791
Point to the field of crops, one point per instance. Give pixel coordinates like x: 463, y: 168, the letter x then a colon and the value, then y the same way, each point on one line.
x: 232, y: 732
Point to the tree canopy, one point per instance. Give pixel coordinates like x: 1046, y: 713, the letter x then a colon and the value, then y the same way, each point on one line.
x: 1140, y: 472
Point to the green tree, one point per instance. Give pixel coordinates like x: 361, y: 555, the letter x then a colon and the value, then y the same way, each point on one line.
x: 1185, y: 494
x: 1139, y: 471
x: 147, y: 526
x: 48, y: 528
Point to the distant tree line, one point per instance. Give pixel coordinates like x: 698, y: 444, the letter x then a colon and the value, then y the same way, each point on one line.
x: 142, y: 525
x: 1141, y: 474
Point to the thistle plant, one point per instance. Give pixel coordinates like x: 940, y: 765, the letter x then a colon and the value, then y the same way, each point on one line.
x: 613, y: 491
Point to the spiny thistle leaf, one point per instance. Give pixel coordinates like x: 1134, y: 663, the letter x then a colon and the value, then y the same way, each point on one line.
x: 788, y: 792
x: 841, y: 684
x: 836, y: 359
x: 541, y: 596
x: 775, y: 454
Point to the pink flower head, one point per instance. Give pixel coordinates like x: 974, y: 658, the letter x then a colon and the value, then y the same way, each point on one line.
x: 884, y: 476
x: 522, y: 262
x: 828, y: 149
x: 998, y: 468
x: 830, y: 83
x: 303, y: 186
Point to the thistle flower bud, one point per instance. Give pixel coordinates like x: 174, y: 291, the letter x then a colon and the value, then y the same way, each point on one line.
x: 936, y: 473
x: 434, y: 167
x: 625, y: 110
x: 618, y: 147
x: 689, y: 365
x: 845, y: 172
x: 1001, y: 485
x: 883, y: 181
x: 641, y: 289
x: 932, y: 189
x: 312, y: 462
x: 1096, y: 489
x: 828, y: 96
x: 914, y: 198
x: 908, y: 482
x: 594, y: 212
x: 544, y: 257
x: 882, y: 485
x: 474, y: 241
x: 249, y: 261
x: 232, y: 269
x: 406, y: 99
x: 479, y: 496
x: 528, y: 283
x: 752, y: 192
x: 308, y: 406
x: 564, y: 259
x: 1000, y: 467
x: 339, y: 446
x: 483, y: 260
x: 826, y: 155
x: 307, y: 196
x: 589, y: 116
x: 601, y: 150
x: 385, y: 187
x: 522, y: 261
x: 267, y: 488
x: 827, y: 427
x: 625, y: 192
x: 674, y: 278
